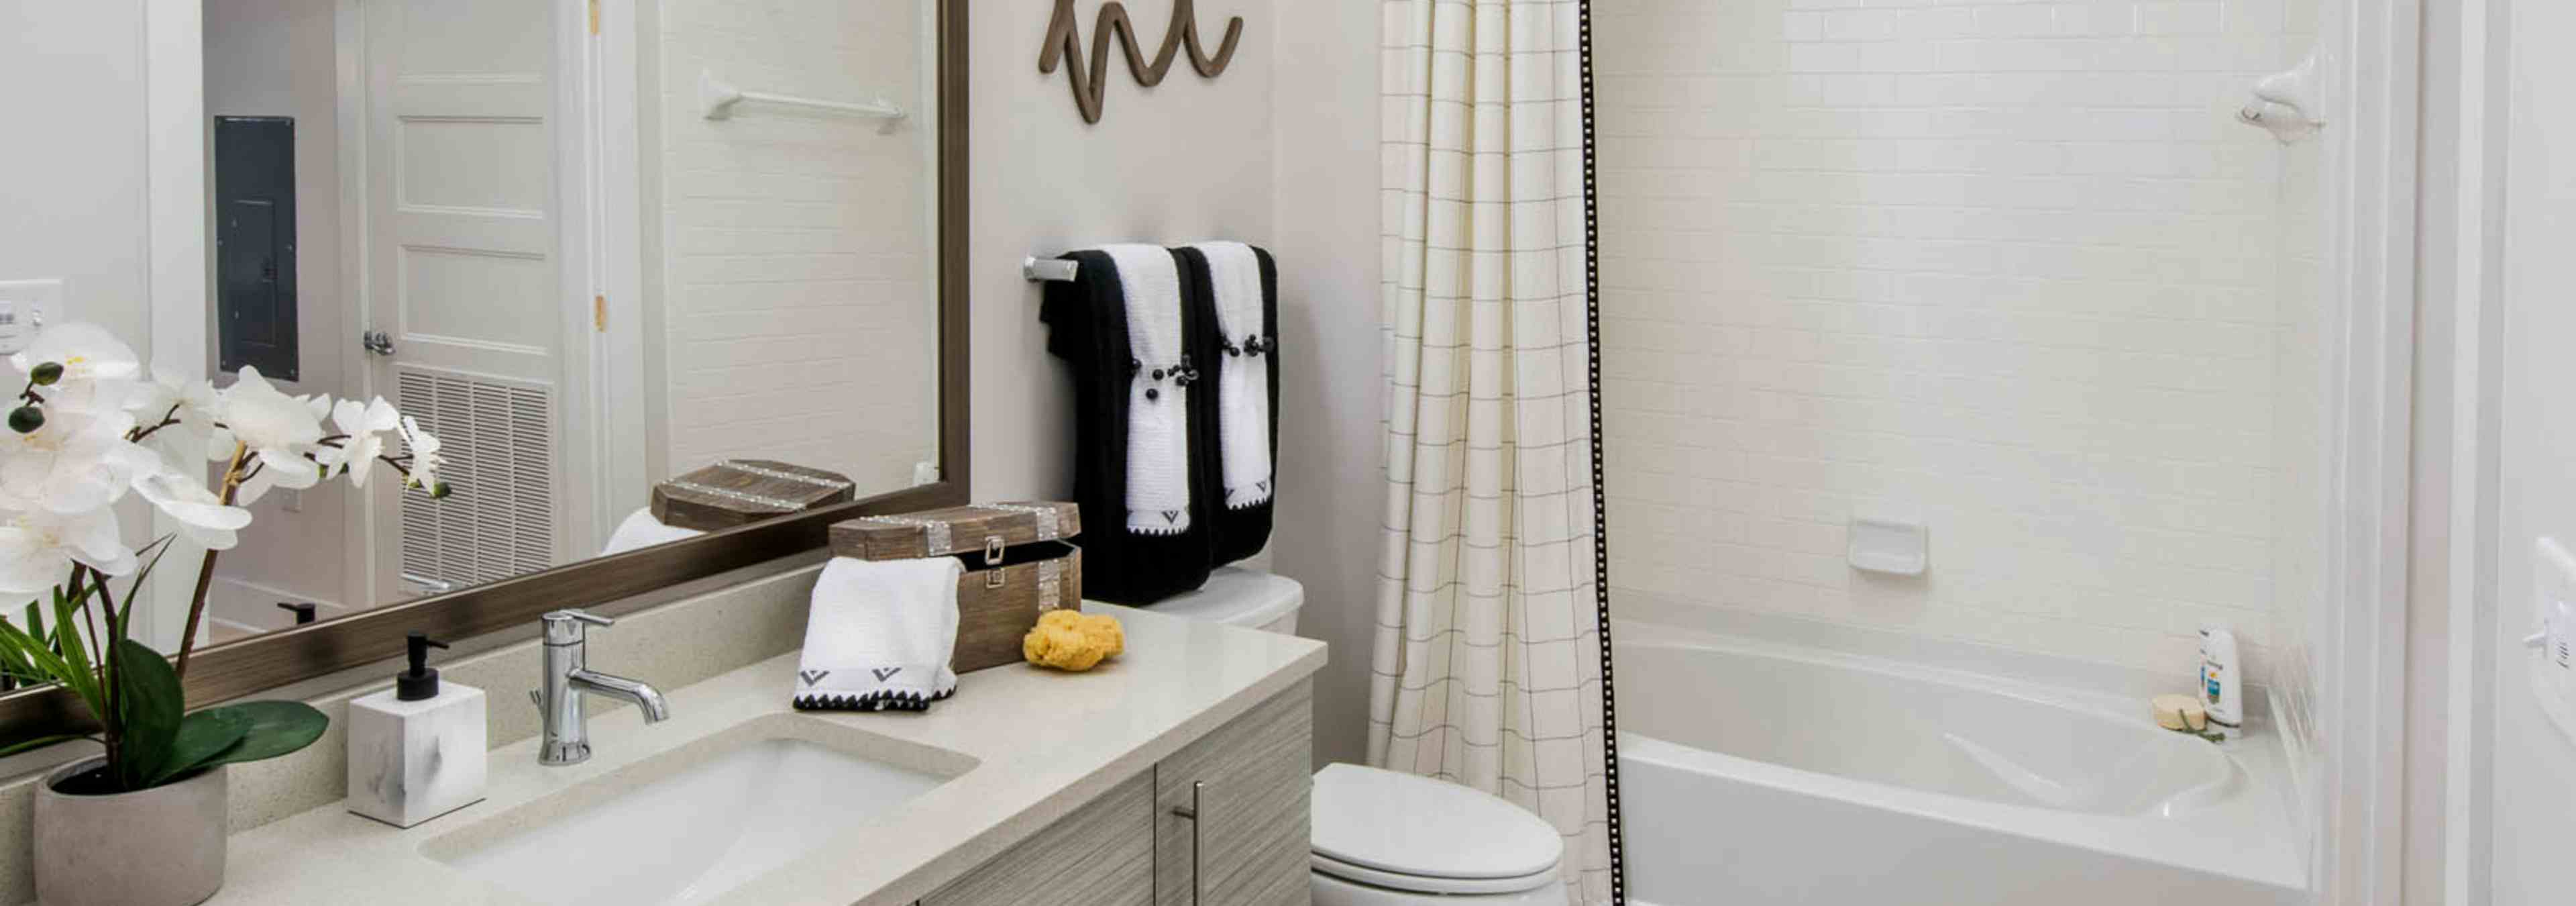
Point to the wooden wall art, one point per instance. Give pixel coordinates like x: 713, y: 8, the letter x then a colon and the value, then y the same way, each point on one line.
x: 1064, y: 39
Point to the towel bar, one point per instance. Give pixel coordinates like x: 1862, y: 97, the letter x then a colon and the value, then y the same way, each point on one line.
x: 716, y: 98
x: 1050, y: 270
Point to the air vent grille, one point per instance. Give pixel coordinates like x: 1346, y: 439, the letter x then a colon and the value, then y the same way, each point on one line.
x: 498, y: 439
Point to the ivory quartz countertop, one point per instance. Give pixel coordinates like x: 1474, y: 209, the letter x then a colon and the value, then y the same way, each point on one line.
x: 1042, y: 742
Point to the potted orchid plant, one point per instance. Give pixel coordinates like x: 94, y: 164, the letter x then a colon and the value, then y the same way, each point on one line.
x: 143, y: 822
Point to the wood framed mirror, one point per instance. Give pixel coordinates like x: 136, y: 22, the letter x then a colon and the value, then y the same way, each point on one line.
x: 714, y: 282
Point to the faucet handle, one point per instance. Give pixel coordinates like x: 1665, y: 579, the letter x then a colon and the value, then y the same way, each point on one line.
x: 568, y: 626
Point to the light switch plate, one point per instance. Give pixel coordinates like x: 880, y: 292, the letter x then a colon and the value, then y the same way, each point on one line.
x: 2551, y: 660
x: 25, y: 306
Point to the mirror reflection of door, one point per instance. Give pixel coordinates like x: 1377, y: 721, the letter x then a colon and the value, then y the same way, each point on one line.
x: 522, y: 229
x: 465, y: 283
x: 419, y: 147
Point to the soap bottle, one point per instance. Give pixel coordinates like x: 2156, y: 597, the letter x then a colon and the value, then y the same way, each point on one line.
x: 2222, y: 683
x: 416, y: 751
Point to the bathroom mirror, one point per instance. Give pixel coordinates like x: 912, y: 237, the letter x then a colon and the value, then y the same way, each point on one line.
x: 591, y: 246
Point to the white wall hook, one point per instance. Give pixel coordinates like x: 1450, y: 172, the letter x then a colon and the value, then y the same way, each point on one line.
x: 2286, y: 103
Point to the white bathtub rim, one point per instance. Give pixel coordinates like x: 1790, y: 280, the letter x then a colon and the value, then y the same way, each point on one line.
x: 1665, y: 612
x: 2246, y: 857
x: 2247, y: 838
x: 2102, y: 704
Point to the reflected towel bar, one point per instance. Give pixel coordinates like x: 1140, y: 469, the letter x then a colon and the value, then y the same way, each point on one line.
x: 1049, y: 270
x: 717, y: 97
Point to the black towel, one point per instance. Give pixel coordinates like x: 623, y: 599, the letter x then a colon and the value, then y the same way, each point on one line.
x: 1241, y: 531
x: 1087, y: 327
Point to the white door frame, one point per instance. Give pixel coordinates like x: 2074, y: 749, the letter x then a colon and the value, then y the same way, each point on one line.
x: 176, y: 217
x: 2473, y: 147
x: 2360, y: 631
x: 597, y: 150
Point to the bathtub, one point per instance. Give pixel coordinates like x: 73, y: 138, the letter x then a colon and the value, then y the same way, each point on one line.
x: 1754, y: 772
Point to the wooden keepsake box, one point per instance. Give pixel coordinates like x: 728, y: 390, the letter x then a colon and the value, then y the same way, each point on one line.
x: 743, y: 491
x: 1019, y: 564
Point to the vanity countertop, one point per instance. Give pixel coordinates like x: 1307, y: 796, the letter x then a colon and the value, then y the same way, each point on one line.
x: 1043, y: 741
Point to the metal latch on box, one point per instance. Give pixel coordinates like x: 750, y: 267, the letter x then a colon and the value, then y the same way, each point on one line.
x: 993, y: 561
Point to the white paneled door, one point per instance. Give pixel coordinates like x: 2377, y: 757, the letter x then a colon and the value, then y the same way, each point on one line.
x: 466, y: 292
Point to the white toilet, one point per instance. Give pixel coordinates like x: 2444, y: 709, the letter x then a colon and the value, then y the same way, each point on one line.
x: 1387, y: 838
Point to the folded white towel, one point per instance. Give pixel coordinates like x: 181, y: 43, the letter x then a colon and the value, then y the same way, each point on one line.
x: 1243, y: 378
x: 1158, y: 399
x: 641, y: 530
x: 880, y: 635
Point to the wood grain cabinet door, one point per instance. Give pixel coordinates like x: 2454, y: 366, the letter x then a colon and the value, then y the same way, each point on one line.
x: 1100, y: 855
x: 1230, y: 820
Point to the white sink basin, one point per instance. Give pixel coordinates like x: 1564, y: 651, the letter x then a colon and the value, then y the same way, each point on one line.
x: 691, y: 825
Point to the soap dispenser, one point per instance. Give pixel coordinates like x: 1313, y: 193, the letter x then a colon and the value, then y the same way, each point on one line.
x: 416, y: 751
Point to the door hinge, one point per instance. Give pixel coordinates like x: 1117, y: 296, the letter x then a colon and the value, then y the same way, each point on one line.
x: 594, y: 17
x: 599, y: 313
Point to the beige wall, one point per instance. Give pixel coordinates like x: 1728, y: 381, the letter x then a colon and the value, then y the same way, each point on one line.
x: 1331, y: 468
x: 73, y: 207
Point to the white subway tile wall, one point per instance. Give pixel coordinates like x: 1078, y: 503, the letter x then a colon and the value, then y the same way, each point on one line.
x: 2007, y: 267
x: 799, y: 269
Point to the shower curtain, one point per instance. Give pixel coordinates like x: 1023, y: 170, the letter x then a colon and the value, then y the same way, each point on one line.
x: 1488, y: 662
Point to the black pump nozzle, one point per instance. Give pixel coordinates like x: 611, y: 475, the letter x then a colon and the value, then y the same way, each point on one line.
x: 419, y: 682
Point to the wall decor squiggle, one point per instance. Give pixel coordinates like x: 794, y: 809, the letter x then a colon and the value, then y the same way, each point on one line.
x: 1064, y: 39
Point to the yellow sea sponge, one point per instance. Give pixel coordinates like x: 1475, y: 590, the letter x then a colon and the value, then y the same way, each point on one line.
x: 1103, y: 630
x: 1069, y: 640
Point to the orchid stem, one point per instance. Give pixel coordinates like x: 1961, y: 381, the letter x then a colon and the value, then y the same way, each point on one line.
x: 206, y: 573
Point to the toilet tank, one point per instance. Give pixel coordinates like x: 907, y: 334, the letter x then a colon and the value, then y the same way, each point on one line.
x: 1241, y: 597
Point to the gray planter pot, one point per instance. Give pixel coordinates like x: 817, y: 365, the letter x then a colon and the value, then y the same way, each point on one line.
x: 160, y: 847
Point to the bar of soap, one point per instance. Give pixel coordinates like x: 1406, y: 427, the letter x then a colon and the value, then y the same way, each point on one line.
x: 2183, y: 713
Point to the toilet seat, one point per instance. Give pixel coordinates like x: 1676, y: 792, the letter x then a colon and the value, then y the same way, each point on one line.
x: 1405, y: 832
x: 1327, y: 865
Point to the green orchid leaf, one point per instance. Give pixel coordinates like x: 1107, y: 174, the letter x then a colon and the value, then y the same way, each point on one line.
x: 82, y: 676
x: 49, y: 664
x: 29, y: 745
x: 201, y: 737
x: 150, y: 706
x: 276, y: 728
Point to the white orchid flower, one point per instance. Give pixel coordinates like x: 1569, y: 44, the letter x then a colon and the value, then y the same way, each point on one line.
x: 425, y: 461
x: 202, y: 517
x: 194, y: 403
x: 76, y: 461
x: 277, y: 430
x: 96, y: 366
x: 38, y: 548
x: 365, y: 424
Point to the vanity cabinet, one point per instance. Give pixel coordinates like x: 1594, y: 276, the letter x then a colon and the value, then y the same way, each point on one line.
x: 1222, y: 821
x: 1230, y: 813
x: 1102, y: 854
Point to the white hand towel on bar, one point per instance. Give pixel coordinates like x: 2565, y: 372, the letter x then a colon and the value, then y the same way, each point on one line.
x: 880, y: 635
x: 1243, y: 379
x: 1158, y: 418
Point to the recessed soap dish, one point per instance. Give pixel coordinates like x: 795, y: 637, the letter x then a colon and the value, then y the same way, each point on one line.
x: 1890, y: 547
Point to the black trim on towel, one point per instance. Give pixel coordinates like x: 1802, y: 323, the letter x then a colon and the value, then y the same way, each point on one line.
x: 1600, y: 496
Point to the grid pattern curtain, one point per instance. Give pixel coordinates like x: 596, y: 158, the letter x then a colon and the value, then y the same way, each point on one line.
x: 1488, y: 661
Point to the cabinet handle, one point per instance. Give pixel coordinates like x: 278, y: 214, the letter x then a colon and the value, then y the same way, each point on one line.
x: 1191, y: 812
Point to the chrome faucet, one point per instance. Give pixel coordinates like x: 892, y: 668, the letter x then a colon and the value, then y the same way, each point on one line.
x: 568, y: 676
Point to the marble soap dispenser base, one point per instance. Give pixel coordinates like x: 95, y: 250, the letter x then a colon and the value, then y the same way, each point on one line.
x: 416, y: 751
x: 413, y: 761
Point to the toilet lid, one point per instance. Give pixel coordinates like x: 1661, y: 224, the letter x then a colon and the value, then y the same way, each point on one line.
x: 1237, y: 597
x: 1418, y: 827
